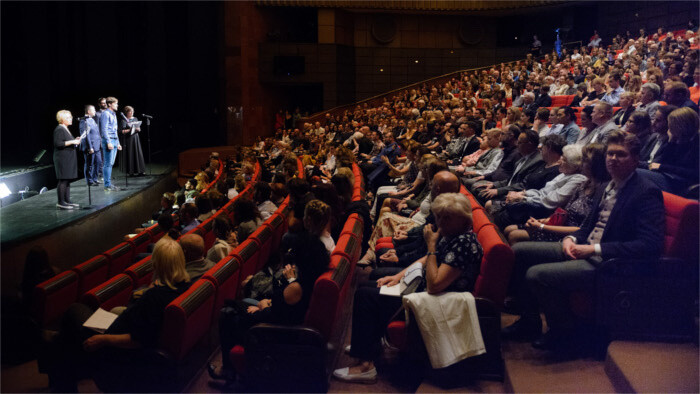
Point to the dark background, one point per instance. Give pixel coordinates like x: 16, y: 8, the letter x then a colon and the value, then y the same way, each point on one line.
x: 162, y: 59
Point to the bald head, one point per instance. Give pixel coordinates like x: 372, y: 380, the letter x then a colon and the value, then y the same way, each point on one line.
x: 444, y: 182
x: 193, y: 246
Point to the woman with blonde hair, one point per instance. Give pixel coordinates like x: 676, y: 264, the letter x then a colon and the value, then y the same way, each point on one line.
x: 64, y: 158
x: 75, y: 351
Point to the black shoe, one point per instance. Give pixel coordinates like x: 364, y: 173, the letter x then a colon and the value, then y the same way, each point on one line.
x: 93, y: 184
x: 551, y: 340
x: 524, y: 329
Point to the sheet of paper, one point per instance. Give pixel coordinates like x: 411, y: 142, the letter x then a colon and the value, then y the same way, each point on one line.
x: 394, y: 291
x: 100, y: 320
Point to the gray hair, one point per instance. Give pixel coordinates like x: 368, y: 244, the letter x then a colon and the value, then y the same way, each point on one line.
x: 573, y: 155
x: 654, y: 88
x: 529, y: 94
x: 452, y: 204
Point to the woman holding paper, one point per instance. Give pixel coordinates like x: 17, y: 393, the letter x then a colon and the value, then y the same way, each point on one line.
x: 451, y: 264
x: 65, y: 159
x: 132, y: 162
x: 77, y: 352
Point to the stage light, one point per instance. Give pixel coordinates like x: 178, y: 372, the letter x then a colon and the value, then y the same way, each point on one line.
x: 4, y: 190
x: 381, y: 70
x: 416, y: 61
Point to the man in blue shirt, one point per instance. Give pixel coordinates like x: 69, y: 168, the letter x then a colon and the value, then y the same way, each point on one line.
x: 110, y: 140
x: 612, y: 97
x: 91, y: 145
x: 376, y: 170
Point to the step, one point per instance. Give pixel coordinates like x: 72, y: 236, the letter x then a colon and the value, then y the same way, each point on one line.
x: 653, y: 367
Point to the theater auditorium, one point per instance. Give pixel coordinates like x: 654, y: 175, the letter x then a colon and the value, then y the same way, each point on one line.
x: 349, y: 196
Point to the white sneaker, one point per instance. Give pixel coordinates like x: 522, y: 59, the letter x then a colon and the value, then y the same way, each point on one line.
x: 347, y: 349
x: 369, y: 376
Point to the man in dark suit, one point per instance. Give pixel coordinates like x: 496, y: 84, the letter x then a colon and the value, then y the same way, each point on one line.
x: 627, y: 221
x: 91, y: 145
x: 530, y: 161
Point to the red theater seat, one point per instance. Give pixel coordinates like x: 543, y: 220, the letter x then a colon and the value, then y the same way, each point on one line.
x: 226, y: 275
x: 114, y: 292
x: 119, y: 257
x: 53, y: 296
x: 91, y: 273
x: 141, y: 272
x: 140, y: 242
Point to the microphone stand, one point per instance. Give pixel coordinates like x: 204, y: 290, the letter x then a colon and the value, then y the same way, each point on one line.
x: 148, y: 136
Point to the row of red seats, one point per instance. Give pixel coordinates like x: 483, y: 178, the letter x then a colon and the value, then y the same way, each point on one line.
x: 276, y: 357
x: 53, y: 296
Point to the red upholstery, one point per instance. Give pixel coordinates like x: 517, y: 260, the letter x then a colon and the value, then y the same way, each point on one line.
x: 140, y: 242
x: 114, y: 292
x: 349, y: 246
x: 205, y: 230
x: 323, y: 306
x: 156, y: 233
x: 561, y: 101
x: 479, y: 219
x: 496, y: 266
x: 278, y: 226
x: 91, y: 273
x: 226, y: 276
x: 53, y: 296
x: 119, y: 257
x: 141, y: 272
x: 300, y: 169
x: 263, y: 236
x: 681, y: 214
x: 187, y: 318
x: 354, y: 226
x: 248, y: 254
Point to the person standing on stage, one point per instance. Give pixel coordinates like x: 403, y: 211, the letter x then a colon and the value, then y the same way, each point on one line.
x: 91, y: 145
x: 132, y: 162
x: 64, y: 158
x: 110, y: 141
x: 102, y: 102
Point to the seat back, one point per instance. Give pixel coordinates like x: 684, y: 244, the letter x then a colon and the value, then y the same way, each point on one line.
x: 53, y: 296
x: 496, y: 266
x: 278, y: 226
x: 561, y: 101
x: 226, y: 276
x: 156, y: 233
x: 207, y: 233
x: 681, y: 233
x: 140, y: 242
x: 263, y: 237
x: 119, y: 257
x: 323, y: 305
x: 248, y: 254
x: 187, y: 319
x: 141, y: 272
x: 114, y: 292
x: 348, y: 246
x: 479, y: 219
x: 91, y: 273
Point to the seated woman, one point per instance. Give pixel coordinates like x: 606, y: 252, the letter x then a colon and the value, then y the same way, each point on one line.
x: 578, y: 207
x: 246, y: 218
x: 522, y: 205
x: 225, y: 242
x: 390, y: 222
x: 77, y: 351
x: 676, y: 168
x: 405, y: 188
x: 305, y: 258
x: 451, y: 264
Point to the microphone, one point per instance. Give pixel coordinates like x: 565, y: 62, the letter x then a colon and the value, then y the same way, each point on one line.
x: 146, y: 116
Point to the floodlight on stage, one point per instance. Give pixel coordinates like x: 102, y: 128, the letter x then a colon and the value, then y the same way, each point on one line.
x: 4, y: 190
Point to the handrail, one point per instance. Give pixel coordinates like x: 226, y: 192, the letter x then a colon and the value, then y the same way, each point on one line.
x: 317, y: 116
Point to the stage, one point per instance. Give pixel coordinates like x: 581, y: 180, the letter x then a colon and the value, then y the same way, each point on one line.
x: 72, y: 236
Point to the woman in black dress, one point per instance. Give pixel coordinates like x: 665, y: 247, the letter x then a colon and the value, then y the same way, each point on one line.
x: 64, y: 158
x: 132, y: 162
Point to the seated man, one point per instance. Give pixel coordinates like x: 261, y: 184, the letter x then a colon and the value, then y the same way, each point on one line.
x: 195, y: 262
x: 188, y: 217
x: 627, y: 222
